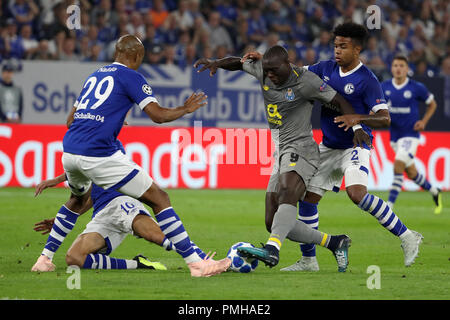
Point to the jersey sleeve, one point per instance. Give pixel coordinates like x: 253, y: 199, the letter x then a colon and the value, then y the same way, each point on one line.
x: 374, y: 96
x: 138, y: 89
x: 254, y: 68
x: 316, y: 68
x: 315, y: 88
x: 423, y: 94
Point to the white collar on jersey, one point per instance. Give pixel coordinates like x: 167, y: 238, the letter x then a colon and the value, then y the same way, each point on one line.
x: 344, y: 74
x: 120, y: 64
x: 400, y: 86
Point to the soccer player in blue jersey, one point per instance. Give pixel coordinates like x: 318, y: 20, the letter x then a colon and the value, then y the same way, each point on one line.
x: 348, y: 76
x: 403, y: 96
x: 91, y: 154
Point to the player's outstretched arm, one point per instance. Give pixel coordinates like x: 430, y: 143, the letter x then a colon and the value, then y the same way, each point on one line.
x: 160, y: 114
x: 228, y: 63
x: 49, y: 184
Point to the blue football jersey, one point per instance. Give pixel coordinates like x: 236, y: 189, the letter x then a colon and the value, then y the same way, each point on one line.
x: 360, y: 87
x: 107, y: 95
x: 403, y: 102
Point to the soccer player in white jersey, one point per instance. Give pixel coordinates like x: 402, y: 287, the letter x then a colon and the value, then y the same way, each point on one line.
x: 115, y: 216
x: 403, y: 96
x: 91, y: 153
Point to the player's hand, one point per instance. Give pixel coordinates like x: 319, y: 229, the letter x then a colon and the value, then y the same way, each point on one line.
x: 347, y: 120
x: 419, y: 126
x: 195, y: 101
x: 360, y: 138
x: 44, y: 185
x: 207, y: 64
x: 252, y: 55
x: 44, y: 226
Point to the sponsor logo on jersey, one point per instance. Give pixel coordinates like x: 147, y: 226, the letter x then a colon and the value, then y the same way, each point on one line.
x: 323, y: 86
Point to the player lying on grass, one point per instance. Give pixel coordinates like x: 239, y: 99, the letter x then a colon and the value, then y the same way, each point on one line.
x: 288, y: 93
x: 114, y: 217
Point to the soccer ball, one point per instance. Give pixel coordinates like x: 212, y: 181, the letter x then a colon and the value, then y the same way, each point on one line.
x: 239, y: 263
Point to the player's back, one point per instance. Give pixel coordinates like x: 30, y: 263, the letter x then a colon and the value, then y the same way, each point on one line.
x: 403, y: 101
x: 106, y: 97
x: 359, y: 87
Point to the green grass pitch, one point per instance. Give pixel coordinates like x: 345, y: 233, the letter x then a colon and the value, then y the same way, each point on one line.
x: 216, y: 219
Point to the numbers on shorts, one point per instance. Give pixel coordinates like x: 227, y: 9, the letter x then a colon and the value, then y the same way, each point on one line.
x: 127, y: 207
x: 98, y: 94
x: 354, y: 155
x: 406, y: 144
x: 294, y: 157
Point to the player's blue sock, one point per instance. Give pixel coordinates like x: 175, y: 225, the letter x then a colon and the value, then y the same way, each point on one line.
x: 384, y: 214
x: 396, y: 187
x: 102, y: 261
x: 309, y: 214
x: 64, y: 222
x: 173, y: 228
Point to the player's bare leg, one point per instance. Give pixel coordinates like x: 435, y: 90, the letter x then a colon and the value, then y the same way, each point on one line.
x: 83, y: 245
x: 172, y: 227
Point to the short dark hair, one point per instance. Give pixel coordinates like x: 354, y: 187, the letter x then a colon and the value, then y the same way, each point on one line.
x: 276, y: 51
x: 357, y: 32
x: 401, y: 57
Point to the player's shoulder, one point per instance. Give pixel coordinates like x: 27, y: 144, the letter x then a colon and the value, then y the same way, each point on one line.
x: 324, y: 65
x: 386, y: 83
x: 368, y: 76
x: 416, y: 84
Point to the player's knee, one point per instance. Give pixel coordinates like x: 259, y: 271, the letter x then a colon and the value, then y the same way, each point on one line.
x: 75, y: 259
x: 356, y: 194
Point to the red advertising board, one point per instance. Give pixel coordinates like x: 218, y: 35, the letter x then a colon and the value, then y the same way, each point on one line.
x: 198, y: 157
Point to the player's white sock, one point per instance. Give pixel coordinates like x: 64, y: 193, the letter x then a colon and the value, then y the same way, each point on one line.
x: 383, y: 213
x: 64, y: 222
x: 173, y: 228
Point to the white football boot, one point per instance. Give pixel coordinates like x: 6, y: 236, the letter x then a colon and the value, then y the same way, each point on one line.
x: 410, y: 245
x: 304, y: 264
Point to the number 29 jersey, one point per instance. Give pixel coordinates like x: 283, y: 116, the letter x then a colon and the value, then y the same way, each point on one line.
x: 107, y: 96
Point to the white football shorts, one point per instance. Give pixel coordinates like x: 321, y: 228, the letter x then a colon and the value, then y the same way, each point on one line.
x: 116, y: 172
x: 405, y: 149
x: 335, y: 164
x: 114, y: 222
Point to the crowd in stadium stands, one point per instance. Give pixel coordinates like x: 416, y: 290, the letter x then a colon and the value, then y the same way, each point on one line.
x: 178, y: 32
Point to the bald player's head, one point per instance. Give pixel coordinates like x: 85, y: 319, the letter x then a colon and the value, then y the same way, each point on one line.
x: 129, y: 51
x: 276, y: 66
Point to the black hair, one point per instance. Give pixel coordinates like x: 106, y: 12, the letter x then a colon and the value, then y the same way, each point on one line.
x: 357, y: 32
x: 277, y: 52
x: 401, y: 57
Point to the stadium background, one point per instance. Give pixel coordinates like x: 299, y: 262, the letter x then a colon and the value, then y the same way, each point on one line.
x: 50, y: 62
